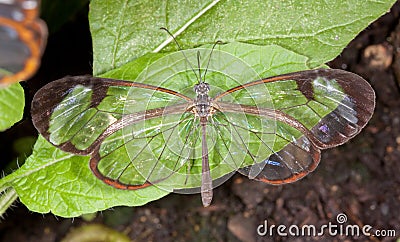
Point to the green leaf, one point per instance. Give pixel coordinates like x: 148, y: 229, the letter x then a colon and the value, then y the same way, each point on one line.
x: 123, y: 30
x: 12, y: 102
x: 58, y: 182
x: 95, y: 232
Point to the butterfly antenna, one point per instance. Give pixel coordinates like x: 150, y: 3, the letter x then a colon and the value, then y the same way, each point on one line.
x: 183, y: 53
x: 198, y: 65
x: 209, y: 58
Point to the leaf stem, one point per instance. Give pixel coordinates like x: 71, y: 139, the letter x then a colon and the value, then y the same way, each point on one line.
x: 7, y: 198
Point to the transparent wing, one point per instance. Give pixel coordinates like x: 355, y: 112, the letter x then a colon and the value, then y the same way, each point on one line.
x: 298, y: 114
x: 145, y: 153
x: 150, y: 151
x: 22, y: 40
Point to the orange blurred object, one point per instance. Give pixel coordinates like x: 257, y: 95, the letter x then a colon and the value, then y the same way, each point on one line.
x: 23, y: 37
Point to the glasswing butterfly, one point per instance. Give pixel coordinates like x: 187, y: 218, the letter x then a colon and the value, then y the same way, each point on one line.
x: 175, y: 129
x: 22, y: 40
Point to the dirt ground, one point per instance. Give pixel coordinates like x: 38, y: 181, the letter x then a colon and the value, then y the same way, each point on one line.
x: 359, y: 179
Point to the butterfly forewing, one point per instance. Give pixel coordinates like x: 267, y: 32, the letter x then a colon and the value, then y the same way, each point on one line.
x: 314, y: 110
x: 78, y: 113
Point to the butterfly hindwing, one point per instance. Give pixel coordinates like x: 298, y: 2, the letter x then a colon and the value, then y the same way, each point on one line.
x: 313, y: 110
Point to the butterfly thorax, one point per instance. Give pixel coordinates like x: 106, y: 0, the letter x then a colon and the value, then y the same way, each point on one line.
x: 202, y: 103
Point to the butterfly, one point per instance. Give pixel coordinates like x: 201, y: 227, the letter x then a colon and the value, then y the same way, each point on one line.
x: 179, y: 130
x: 22, y: 40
